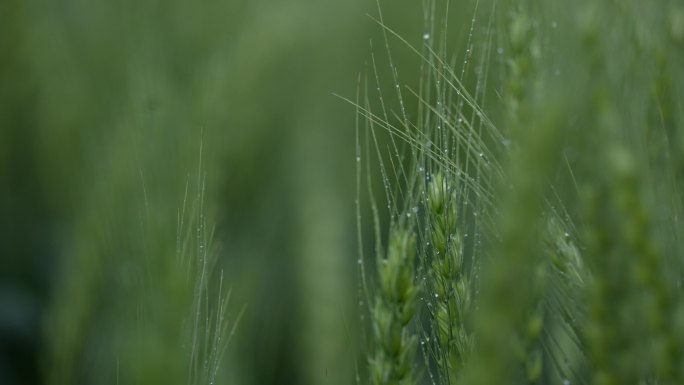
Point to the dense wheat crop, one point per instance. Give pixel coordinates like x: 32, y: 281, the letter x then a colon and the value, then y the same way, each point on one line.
x: 341, y: 192
x: 540, y: 171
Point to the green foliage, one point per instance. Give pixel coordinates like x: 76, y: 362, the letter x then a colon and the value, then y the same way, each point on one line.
x: 104, y: 103
x: 528, y: 155
x: 546, y: 177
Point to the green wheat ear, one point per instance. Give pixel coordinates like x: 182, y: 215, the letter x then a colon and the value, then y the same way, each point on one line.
x: 450, y: 283
x: 393, y: 310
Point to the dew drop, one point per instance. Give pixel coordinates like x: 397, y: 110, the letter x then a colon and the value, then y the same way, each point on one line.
x: 426, y: 36
x: 499, y: 51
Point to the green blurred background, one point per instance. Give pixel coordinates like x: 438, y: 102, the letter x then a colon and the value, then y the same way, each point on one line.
x: 103, y: 106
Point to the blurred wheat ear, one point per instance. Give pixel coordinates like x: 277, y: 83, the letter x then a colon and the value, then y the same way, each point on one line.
x: 141, y: 301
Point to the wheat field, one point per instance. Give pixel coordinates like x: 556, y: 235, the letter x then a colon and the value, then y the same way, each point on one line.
x: 341, y: 192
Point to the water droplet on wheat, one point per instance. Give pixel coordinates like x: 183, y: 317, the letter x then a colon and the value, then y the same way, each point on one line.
x: 426, y: 36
